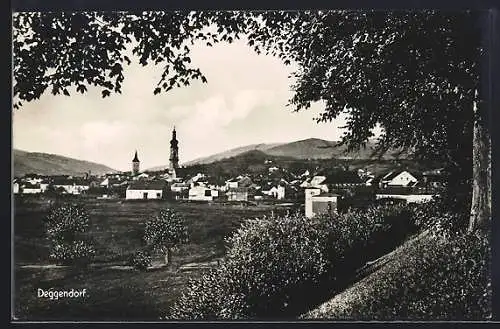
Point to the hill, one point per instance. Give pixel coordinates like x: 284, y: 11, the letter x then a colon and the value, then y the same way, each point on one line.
x: 315, y: 148
x: 52, y: 164
x: 438, y: 285
x: 311, y: 148
x: 231, y: 153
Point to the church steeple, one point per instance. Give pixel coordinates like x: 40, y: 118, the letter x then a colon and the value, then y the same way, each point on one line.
x: 135, y: 164
x: 174, y: 151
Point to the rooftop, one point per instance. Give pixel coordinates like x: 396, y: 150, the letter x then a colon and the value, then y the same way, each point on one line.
x: 147, y: 185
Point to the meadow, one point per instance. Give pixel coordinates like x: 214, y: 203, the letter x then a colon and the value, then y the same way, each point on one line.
x: 115, y: 292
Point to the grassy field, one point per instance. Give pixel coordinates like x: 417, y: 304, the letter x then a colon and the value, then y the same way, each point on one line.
x: 114, y: 293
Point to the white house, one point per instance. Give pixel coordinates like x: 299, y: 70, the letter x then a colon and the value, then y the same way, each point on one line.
x: 400, y: 179
x: 202, y: 193
x: 29, y: 188
x: 44, y: 185
x: 72, y: 188
x: 232, y: 183
x: 146, y: 190
x: 277, y: 192
x: 179, y: 187
x: 237, y: 194
x: 318, y: 202
x: 409, y: 198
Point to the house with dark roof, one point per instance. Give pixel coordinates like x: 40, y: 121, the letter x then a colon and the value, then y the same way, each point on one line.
x: 398, y: 179
x: 146, y: 190
x: 343, y: 179
x: 30, y: 188
x: 70, y: 185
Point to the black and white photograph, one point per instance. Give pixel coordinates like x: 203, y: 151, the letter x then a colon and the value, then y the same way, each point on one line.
x: 271, y: 165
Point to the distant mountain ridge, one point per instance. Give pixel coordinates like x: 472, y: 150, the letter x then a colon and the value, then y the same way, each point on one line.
x: 311, y: 148
x: 53, y: 164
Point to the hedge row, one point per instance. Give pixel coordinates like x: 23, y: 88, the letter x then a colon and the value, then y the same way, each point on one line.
x: 276, y: 267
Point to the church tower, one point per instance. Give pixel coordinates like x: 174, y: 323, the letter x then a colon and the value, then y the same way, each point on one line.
x: 174, y: 151
x: 135, y: 164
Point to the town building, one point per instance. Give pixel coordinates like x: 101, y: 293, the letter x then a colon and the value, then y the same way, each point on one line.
x: 145, y: 190
x: 30, y: 188
x: 398, y: 179
x: 202, y: 193
x: 319, y: 203
x: 276, y: 191
x: 237, y: 194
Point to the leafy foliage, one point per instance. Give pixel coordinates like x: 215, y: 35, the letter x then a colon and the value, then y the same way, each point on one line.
x: 65, y: 221
x: 277, y: 266
x: 141, y: 260
x: 61, y: 51
x: 412, y: 73
x: 65, y: 226
x: 165, y: 230
x: 75, y: 252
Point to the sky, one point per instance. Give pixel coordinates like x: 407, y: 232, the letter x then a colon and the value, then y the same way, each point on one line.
x: 242, y: 103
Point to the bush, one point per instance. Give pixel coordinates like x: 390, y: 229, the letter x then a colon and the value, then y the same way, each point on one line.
x: 209, y: 298
x: 65, y: 222
x: 437, y: 217
x: 141, y: 260
x: 76, y: 252
x: 65, y: 227
x: 279, y: 266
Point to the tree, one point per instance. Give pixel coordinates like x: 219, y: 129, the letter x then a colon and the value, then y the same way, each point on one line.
x: 414, y: 73
x: 63, y: 51
x: 165, y: 231
x: 65, y: 227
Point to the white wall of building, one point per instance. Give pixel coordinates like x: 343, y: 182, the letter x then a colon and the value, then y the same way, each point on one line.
x: 410, y: 198
x: 32, y: 190
x: 309, y: 194
x: 73, y: 189
x: 139, y: 194
x: 199, y: 193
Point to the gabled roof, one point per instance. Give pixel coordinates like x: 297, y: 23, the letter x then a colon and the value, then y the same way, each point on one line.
x: 31, y: 186
x: 393, y: 174
x: 317, y: 180
x: 147, y: 185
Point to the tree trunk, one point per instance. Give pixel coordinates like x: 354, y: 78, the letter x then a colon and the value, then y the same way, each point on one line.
x: 480, y: 215
x: 168, y: 256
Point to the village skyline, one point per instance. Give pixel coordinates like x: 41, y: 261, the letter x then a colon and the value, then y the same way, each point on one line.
x: 243, y: 103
